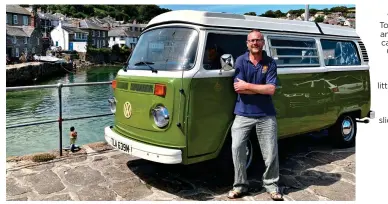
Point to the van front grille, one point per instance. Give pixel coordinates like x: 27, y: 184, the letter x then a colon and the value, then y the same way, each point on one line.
x: 122, y: 85
x: 363, y: 51
x: 147, y: 88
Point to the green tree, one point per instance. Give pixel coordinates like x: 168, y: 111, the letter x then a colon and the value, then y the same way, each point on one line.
x: 319, y: 19
x: 89, y: 44
x: 279, y: 14
x: 313, y: 11
x: 251, y: 13
x: 269, y: 14
x: 342, y: 9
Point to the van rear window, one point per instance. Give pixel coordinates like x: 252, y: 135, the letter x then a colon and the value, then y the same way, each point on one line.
x: 293, y: 52
x: 340, y: 53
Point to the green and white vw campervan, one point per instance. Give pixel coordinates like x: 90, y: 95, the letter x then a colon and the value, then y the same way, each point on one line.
x: 174, y: 98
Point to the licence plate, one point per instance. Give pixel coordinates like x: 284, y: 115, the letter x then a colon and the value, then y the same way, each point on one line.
x: 121, y: 146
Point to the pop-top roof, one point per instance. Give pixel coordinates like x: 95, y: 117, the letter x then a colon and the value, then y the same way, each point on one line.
x: 249, y: 22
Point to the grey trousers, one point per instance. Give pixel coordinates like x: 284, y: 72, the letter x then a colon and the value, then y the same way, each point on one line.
x: 266, y: 131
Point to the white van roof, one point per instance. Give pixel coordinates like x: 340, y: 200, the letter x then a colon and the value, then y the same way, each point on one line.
x: 238, y: 21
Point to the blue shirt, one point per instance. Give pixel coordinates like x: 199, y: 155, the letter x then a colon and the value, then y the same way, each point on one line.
x: 265, y: 72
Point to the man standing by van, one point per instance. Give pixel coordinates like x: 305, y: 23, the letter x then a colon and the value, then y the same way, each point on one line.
x: 255, y: 83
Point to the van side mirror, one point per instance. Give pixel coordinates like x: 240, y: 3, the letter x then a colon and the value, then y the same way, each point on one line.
x: 125, y: 66
x: 227, y: 62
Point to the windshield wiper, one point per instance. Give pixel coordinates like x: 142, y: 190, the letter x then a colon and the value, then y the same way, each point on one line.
x: 148, y: 64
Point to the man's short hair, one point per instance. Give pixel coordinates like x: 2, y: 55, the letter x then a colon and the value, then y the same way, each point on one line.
x: 255, y: 30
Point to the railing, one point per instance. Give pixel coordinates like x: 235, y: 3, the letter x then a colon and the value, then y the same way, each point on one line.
x: 59, y: 86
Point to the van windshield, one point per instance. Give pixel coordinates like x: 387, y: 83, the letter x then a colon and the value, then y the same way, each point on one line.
x: 170, y: 48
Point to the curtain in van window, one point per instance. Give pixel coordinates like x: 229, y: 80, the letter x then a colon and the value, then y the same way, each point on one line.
x: 293, y: 52
x: 340, y: 53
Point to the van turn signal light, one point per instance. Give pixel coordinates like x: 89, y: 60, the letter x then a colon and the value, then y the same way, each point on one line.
x: 160, y: 90
x: 114, y: 83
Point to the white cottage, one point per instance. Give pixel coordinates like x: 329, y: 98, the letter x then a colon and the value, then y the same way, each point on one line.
x: 69, y: 38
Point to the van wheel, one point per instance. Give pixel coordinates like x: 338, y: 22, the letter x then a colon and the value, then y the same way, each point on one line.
x: 249, y: 154
x: 343, y: 133
x: 225, y: 159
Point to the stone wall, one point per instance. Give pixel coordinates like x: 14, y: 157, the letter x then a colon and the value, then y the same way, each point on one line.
x: 32, y: 72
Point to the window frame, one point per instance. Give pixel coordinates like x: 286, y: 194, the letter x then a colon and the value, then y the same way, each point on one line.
x: 25, y: 19
x: 357, y: 49
x: 317, y: 48
x: 218, y: 32
x: 15, y: 20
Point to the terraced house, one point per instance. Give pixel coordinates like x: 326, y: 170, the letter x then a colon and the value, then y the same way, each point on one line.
x: 23, y: 34
x: 99, y: 35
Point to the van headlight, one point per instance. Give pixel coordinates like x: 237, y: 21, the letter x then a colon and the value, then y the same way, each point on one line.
x: 161, y: 116
x: 112, y: 103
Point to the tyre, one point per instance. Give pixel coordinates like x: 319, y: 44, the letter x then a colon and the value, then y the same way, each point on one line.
x: 343, y: 132
x: 225, y: 160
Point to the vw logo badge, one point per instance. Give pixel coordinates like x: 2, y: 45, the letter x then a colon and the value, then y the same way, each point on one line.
x: 127, y: 109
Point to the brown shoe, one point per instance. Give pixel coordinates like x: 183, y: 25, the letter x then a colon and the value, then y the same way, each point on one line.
x: 233, y: 194
x: 276, y: 196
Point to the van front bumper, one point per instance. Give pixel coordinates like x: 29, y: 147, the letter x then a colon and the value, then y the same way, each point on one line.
x: 371, y: 115
x: 141, y: 150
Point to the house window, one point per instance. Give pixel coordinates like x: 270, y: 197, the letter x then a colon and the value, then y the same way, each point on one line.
x: 103, y: 34
x: 37, y: 41
x: 340, y: 53
x: 33, y: 50
x: 77, y: 35
x: 25, y: 20
x: 15, y: 19
x: 14, y: 40
x: 84, y: 36
x: 94, y: 42
x: 25, y: 40
x: 103, y: 43
x: 114, y: 38
x: 93, y: 33
x: 98, y: 33
x: 17, y: 52
x: 291, y: 52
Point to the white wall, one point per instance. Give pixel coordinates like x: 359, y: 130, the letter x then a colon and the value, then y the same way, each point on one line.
x: 116, y: 41
x: 60, y: 35
x: 79, y: 46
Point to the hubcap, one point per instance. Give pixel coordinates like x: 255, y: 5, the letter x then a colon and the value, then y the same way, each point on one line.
x: 347, y: 128
x: 249, y: 154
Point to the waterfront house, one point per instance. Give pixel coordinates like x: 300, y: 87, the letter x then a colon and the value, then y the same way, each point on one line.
x: 99, y: 35
x: 123, y: 36
x: 69, y: 38
x: 22, y: 33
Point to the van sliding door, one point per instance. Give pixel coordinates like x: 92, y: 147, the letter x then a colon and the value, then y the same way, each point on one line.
x: 300, y: 99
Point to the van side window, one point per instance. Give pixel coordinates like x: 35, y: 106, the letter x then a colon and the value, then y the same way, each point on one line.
x: 218, y: 44
x: 340, y: 53
x: 293, y: 52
